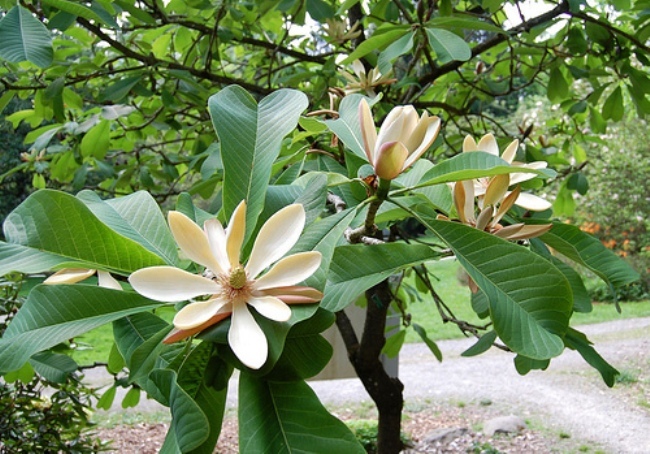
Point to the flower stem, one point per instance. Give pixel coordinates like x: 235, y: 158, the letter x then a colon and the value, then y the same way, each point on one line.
x: 380, y: 196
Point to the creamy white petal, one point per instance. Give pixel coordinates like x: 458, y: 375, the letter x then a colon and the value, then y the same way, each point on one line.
x: 489, y: 144
x: 105, y: 280
x: 271, y: 307
x: 235, y: 233
x: 276, y: 237
x: 69, y: 276
x: 390, y: 159
x: 290, y: 270
x: 368, y: 131
x: 497, y: 189
x: 192, y: 240
x: 358, y: 68
x: 433, y: 127
x: 510, y: 152
x: 247, y: 339
x: 217, y: 240
x: 197, y: 313
x: 532, y: 202
x: 392, y: 128
x: 171, y: 285
x: 469, y: 144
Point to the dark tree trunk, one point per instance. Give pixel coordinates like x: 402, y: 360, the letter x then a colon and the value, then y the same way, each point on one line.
x: 364, y: 355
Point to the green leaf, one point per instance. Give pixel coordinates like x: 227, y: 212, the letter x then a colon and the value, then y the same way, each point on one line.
x: 139, y: 340
x: 586, y: 250
x: 251, y: 135
x: 356, y: 268
x: 394, y: 344
x: 54, y: 314
x: 558, y: 88
x: 613, y: 107
x: 23, y: 259
x: 288, y: 418
x: 96, y: 141
x: 530, y: 300
x: 115, y: 360
x: 132, y: 398
x: 25, y: 38
x: 58, y: 223
x: 348, y: 127
x: 377, y: 41
x: 463, y: 23
x: 305, y: 352
x: 189, y: 425
x: 523, y: 364
x: 136, y: 216
x: 576, y: 340
x: 396, y: 49
x: 322, y: 236
x: 483, y: 344
x: 448, y: 46
x: 466, y: 166
x: 319, y: 10
x: 55, y: 367
x: 75, y: 9
x: 105, y: 402
x: 433, y: 347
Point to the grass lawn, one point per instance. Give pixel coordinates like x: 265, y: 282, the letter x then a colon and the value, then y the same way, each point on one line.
x: 97, y: 343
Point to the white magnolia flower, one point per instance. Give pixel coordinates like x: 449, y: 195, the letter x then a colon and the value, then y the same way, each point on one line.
x: 489, y: 144
x: 229, y: 287
x: 74, y: 275
x: 402, y: 138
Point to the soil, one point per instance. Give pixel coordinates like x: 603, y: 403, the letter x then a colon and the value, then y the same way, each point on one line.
x: 567, y: 408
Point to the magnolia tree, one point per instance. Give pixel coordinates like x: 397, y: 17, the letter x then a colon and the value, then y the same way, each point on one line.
x: 290, y: 205
x: 254, y: 283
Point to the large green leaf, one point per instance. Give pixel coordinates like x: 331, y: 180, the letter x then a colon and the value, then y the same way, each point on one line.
x: 251, y: 136
x: 54, y: 314
x: 356, y: 268
x: 16, y: 257
x: 348, y: 127
x: 447, y: 45
x: 55, y: 367
x: 138, y: 217
x: 466, y: 166
x: 58, y: 223
x: 530, y: 300
x: 25, y: 38
x: 288, y: 418
x: 586, y: 250
x: 305, y: 352
x: 323, y: 236
x: 379, y: 40
x: 139, y: 340
x: 189, y: 427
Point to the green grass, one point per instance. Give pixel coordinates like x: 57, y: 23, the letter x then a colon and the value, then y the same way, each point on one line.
x: 424, y: 312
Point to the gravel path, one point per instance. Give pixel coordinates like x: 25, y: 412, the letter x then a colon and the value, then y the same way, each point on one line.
x: 568, y: 397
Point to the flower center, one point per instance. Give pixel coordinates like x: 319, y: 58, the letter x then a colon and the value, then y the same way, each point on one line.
x: 237, y: 278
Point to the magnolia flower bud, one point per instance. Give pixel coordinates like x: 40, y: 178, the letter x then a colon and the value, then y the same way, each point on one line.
x: 402, y: 138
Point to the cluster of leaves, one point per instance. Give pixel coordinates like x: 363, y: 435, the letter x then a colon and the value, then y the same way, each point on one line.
x: 118, y: 88
x: 41, y: 414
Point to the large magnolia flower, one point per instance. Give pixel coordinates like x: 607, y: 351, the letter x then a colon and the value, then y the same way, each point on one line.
x: 227, y: 286
x: 489, y: 144
x: 402, y: 139
x: 74, y: 275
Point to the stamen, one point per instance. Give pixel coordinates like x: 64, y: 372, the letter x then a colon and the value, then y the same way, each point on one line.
x: 238, y: 277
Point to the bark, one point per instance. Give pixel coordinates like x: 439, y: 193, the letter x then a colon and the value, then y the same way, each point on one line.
x: 385, y: 391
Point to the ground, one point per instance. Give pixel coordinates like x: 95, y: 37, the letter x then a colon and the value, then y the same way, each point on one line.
x: 567, y: 408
